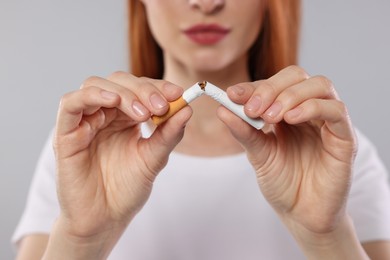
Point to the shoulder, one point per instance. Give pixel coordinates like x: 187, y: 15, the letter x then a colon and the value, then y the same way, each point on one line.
x: 369, y: 199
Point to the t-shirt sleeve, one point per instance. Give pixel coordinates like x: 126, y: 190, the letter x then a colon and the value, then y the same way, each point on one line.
x: 42, y: 207
x: 369, y: 200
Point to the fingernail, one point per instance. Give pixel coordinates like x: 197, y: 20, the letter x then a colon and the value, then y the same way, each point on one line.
x: 157, y: 101
x: 274, y: 110
x: 238, y: 90
x: 253, y: 104
x: 139, y: 109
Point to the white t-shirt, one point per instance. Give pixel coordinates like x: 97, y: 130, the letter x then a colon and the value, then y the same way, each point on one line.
x: 212, y: 208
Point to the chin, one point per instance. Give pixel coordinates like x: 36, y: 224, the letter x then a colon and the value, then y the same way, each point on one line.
x: 209, y: 63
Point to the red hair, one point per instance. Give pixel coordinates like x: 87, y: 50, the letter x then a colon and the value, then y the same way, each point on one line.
x: 275, y: 48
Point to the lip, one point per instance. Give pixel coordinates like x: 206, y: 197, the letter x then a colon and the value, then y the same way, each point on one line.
x: 206, y: 34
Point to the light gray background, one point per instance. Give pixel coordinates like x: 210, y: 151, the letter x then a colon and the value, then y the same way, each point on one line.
x: 48, y: 48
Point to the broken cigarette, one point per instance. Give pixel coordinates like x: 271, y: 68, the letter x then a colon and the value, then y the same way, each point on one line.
x: 220, y: 96
x: 214, y: 92
x: 188, y: 96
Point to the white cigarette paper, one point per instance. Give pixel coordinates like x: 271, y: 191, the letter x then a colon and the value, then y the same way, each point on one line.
x: 220, y: 96
x: 192, y: 93
x: 214, y: 92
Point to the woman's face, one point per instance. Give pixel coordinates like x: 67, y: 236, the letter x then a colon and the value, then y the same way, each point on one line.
x: 205, y: 35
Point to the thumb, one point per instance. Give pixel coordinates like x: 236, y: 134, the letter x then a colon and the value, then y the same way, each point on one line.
x: 165, y: 138
x: 252, y: 140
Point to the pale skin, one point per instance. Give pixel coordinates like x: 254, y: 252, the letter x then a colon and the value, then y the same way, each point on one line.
x: 303, y: 157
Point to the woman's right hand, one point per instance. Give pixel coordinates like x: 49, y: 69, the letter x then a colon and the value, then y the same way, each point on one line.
x: 105, y: 169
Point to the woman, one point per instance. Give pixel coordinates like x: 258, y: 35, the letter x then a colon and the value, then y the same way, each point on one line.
x: 205, y: 202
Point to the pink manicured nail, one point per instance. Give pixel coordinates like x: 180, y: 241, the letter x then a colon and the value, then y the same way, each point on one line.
x: 238, y: 90
x: 139, y: 109
x: 157, y: 101
x: 274, y: 110
x: 253, y: 104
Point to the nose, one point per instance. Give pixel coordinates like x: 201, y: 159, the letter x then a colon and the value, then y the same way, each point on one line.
x: 207, y: 6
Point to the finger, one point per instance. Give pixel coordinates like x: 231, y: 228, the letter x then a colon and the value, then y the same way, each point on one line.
x: 154, y: 94
x: 251, y: 139
x: 266, y: 91
x: 312, y: 88
x: 170, y: 90
x: 165, y: 138
x: 240, y: 93
x: 129, y: 102
x: 332, y: 112
x: 100, y: 119
x: 73, y: 105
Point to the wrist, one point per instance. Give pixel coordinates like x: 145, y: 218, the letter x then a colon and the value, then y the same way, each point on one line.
x: 341, y: 242
x: 64, y: 244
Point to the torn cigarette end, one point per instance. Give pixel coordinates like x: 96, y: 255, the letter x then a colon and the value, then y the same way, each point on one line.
x: 174, y: 107
x: 202, y: 85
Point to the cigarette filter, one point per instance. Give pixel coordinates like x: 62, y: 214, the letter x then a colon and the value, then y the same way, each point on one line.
x: 188, y: 96
x: 214, y: 92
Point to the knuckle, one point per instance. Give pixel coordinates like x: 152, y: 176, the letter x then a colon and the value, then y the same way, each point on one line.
x: 324, y: 81
x: 65, y: 99
x: 117, y: 75
x: 145, y: 85
x: 299, y: 71
x: 144, y: 79
x: 289, y: 95
x: 267, y: 88
x: 249, y: 87
x: 91, y: 81
x: 342, y: 108
x: 87, y: 91
x: 326, y: 84
x: 147, y: 82
x: 144, y: 82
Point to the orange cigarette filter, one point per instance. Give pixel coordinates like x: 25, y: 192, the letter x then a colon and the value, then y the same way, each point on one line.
x: 188, y: 96
x: 174, y: 107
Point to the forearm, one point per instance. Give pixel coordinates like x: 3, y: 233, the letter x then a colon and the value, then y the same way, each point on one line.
x: 341, y: 243
x: 63, y: 245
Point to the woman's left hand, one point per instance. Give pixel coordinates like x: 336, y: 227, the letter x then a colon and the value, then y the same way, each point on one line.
x: 304, y: 155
